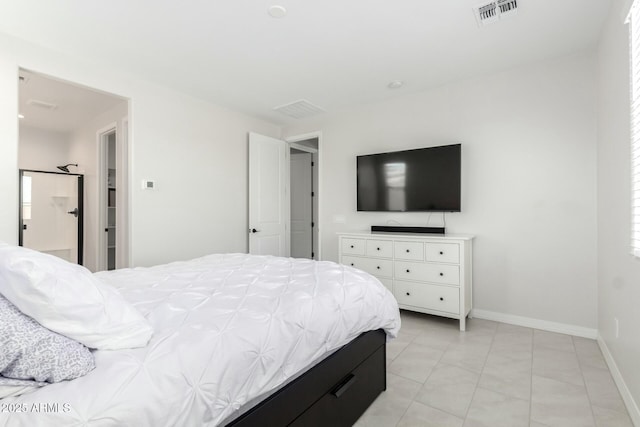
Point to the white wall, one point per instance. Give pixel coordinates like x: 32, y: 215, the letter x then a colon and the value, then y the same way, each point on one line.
x: 84, y: 151
x: 8, y: 148
x: 196, y: 152
x: 529, y: 180
x: 618, y: 271
x: 42, y: 149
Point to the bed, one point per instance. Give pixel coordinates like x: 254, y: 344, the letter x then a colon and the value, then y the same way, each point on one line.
x: 238, y: 340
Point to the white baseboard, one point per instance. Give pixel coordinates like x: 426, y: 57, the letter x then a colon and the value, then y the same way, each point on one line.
x: 545, y: 325
x: 632, y: 406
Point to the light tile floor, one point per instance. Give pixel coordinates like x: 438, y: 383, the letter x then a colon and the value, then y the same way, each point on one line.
x: 493, y: 375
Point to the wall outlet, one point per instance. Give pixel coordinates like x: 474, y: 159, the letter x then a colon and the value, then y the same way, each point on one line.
x: 615, y: 319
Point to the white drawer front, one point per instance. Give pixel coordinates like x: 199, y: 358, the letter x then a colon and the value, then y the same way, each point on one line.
x: 435, y: 273
x: 353, y: 246
x: 388, y: 283
x: 379, y: 248
x: 443, y: 252
x: 409, y: 250
x: 377, y: 267
x: 431, y: 297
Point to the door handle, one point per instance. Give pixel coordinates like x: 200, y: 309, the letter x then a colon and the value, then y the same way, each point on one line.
x: 253, y: 230
x: 74, y: 212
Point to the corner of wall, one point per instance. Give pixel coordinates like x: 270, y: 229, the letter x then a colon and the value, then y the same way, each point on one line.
x: 627, y: 397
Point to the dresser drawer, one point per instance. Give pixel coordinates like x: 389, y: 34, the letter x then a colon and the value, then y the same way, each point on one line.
x: 435, y: 273
x: 377, y: 267
x: 409, y: 250
x: 431, y: 297
x: 379, y: 248
x: 443, y: 252
x: 353, y: 246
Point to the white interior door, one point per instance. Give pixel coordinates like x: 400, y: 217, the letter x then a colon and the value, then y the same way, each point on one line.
x: 268, y: 202
x: 301, y: 206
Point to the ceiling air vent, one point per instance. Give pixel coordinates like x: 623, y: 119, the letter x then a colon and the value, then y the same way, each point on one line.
x: 42, y: 104
x: 491, y: 12
x: 300, y: 109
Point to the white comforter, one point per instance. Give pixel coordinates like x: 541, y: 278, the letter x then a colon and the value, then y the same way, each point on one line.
x: 228, y: 329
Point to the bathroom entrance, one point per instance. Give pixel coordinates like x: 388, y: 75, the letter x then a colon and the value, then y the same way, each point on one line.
x: 51, y: 213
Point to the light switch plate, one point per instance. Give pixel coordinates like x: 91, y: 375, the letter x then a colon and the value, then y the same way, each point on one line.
x: 148, y: 184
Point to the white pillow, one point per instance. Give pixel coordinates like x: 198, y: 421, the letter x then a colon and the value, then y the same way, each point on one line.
x: 69, y: 300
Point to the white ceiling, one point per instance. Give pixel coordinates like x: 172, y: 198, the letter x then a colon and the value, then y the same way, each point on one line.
x: 75, y: 105
x: 333, y: 53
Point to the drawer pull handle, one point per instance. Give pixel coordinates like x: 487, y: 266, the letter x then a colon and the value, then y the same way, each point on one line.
x: 441, y: 299
x: 408, y: 251
x: 409, y: 294
x: 408, y: 271
x: 351, y: 246
x: 441, y: 274
x: 378, y: 248
x: 441, y: 253
x: 351, y: 264
x: 344, y: 385
x: 378, y: 267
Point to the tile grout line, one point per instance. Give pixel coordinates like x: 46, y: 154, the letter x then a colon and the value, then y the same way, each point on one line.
x: 409, y: 379
x: 586, y: 390
x: 533, y: 343
x: 466, y: 415
x: 425, y: 381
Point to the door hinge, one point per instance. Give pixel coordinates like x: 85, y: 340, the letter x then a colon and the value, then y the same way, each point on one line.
x: 313, y: 224
x: 312, y: 164
x: 313, y: 255
x: 313, y: 194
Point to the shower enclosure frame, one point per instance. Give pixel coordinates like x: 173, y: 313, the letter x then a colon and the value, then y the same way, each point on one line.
x: 80, y: 208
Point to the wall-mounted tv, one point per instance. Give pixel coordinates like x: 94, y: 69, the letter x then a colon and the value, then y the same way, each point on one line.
x: 421, y: 180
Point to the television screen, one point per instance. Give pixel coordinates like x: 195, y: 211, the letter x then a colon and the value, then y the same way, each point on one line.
x: 421, y: 180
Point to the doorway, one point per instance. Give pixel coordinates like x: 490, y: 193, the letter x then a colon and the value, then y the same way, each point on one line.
x: 283, y: 210
x: 51, y: 213
x: 109, y: 243
x: 58, y: 125
x: 303, y: 178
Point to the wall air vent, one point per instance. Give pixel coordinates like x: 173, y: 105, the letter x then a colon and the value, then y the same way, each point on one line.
x: 300, y: 109
x: 42, y: 104
x: 489, y: 13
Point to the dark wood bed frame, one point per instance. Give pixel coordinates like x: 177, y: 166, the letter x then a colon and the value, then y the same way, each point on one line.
x: 333, y: 393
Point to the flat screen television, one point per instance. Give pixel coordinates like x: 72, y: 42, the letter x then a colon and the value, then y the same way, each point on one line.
x: 420, y: 180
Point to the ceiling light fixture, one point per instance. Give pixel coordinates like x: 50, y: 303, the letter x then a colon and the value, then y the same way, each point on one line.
x: 277, y: 11
x: 396, y: 84
x: 21, y: 116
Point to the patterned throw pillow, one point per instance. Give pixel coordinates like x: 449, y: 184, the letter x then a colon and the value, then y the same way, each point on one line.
x: 29, y: 351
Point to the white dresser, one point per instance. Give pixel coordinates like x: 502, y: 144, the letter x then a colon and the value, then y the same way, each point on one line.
x: 429, y: 273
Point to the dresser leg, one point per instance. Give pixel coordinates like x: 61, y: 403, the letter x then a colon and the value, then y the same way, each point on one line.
x: 463, y: 324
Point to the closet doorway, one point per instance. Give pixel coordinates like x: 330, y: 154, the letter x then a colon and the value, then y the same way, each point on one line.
x: 110, y: 240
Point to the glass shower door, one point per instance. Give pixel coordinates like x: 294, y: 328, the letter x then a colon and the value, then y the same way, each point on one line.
x: 51, y: 213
